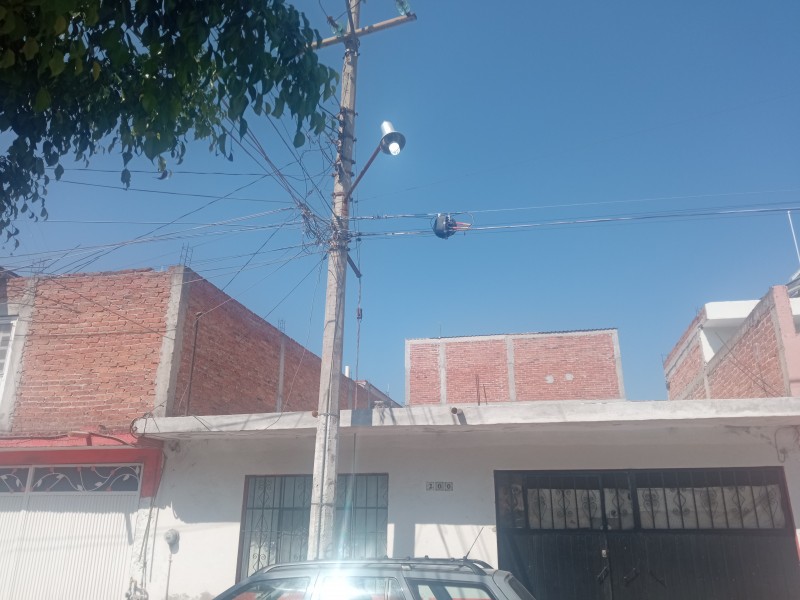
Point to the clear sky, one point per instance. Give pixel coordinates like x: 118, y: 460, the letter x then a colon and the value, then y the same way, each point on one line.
x: 561, y: 111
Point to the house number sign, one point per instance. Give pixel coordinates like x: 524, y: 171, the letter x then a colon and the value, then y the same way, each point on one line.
x: 438, y: 486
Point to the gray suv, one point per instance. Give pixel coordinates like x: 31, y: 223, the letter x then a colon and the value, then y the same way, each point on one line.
x: 380, y: 579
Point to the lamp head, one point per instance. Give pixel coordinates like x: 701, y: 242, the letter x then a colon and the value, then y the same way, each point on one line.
x: 392, y: 142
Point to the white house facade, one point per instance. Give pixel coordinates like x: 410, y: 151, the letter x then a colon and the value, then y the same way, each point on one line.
x: 578, y: 499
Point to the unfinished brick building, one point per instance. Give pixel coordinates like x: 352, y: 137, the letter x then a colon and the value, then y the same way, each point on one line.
x: 572, y: 365
x: 742, y: 349
x: 91, y: 352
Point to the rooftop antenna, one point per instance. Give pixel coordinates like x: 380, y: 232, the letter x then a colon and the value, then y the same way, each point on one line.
x: 794, y: 237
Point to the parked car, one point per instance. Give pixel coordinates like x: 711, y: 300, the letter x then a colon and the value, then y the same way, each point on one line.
x: 380, y: 579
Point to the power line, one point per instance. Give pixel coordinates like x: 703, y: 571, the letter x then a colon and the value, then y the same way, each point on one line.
x: 282, y: 300
x: 175, y: 235
x: 251, y: 257
x: 100, y: 255
x: 600, y: 220
x: 156, y: 173
x: 170, y: 193
x: 571, y: 205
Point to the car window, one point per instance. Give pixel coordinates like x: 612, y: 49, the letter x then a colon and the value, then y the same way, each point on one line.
x: 437, y: 590
x: 293, y: 588
x: 519, y: 589
x: 335, y: 587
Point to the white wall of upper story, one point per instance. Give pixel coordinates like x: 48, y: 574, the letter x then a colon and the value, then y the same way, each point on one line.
x: 201, y: 493
x: 723, y: 320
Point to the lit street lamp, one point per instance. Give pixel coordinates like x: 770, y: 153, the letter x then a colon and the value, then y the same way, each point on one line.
x: 392, y: 142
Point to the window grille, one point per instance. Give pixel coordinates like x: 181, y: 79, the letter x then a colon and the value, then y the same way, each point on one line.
x: 70, y: 479
x: 277, y: 512
x: 648, y: 500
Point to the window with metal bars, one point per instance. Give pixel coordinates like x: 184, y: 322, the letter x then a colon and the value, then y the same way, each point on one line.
x: 699, y: 499
x: 277, y: 511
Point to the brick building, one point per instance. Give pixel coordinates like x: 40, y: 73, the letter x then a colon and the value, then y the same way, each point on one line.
x: 81, y: 357
x: 94, y: 351
x: 572, y: 365
x: 742, y: 349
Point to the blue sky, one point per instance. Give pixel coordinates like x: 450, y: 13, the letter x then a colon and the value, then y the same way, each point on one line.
x: 560, y: 110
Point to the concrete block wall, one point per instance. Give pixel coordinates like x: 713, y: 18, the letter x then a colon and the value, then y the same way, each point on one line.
x: 762, y: 359
x: 580, y: 365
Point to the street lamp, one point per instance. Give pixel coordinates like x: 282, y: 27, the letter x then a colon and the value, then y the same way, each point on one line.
x: 392, y: 142
x: 326, y: 443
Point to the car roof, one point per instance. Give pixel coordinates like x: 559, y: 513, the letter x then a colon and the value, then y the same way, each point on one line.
x: 439, y: 565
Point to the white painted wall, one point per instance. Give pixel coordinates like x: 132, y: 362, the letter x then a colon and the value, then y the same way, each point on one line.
x: 202, y: 488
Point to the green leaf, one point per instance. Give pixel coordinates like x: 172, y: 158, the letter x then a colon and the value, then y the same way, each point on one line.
x: 56, y: 63
x: 42, y: 101
x: 30, y: 48
x: 278, y: 110
x: 125, y: 177
x: 95, y: 70
x: 299, y: 139
x: 242, y: 127
x: 8, y: 59
x: 9, y: 23
x: 59, y: 172
x: 60, y: 26
x: 149, y: 102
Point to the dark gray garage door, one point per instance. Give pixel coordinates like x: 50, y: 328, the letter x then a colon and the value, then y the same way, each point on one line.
x: 681, y: 534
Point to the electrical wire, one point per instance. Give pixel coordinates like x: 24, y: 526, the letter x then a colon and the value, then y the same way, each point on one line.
x: 100, y: 255
x: 573, y: 205
x: 170, y: 193
x: 680, y: 215
x: 282, y: 300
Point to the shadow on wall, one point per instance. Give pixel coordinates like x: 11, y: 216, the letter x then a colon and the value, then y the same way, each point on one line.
x: 447, y: 540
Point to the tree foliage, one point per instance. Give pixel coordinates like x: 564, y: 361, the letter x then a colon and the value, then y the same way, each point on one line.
x: 143, y: 77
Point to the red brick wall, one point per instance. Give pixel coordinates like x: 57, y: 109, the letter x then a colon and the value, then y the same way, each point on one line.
x: 569, y: 366
x: 91, y: 352
x: 476, y: 371
x: 750, y: 366
x: 424, y: 383
x: 684, y: 377
x: 237, y: 360
x: 589, y: 359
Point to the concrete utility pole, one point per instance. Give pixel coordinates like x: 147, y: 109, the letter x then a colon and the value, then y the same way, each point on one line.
x: 323, y: 489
